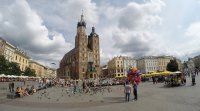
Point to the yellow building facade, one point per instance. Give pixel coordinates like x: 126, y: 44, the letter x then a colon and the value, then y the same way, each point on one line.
x: 7, y: 50
x: 49, y: 72
x: 21, y: 59
x: 116, y: 67
x: 163, y: 61
x: 2, y: 46
x: 39, y: 69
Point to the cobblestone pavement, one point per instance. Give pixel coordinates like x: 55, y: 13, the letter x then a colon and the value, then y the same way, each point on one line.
x: 154, y: 97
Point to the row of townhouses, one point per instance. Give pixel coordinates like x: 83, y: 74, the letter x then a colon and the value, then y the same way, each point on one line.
x: 14, y: 54
x: 118, y: 66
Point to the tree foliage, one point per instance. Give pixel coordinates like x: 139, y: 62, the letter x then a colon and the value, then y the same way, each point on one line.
x: 9, y: 68
x: 3, y: 65
x: 14, y: 69
x: 172, y: 66
x: 29, y: 72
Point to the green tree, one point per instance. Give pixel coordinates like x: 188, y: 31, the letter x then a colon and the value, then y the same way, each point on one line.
x: 29, y: 72
x: 172, y: 66
x: 14, y: 69
x: 3, y: 65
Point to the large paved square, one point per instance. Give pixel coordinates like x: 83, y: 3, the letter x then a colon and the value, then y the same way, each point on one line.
x: 154, y: 97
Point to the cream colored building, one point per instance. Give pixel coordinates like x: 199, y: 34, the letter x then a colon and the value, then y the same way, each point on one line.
x: 116, y: 67
x: 21, y: 58
x: 7, y: 50
x: 39, y: 69
x: 13, y: 54
x: 2, y: 46
x: 129, y: 62
x: 119, y: 66
x: 147, y: 64
x: 163, y: 61
x: 151, y: 64
x: 49, y: 72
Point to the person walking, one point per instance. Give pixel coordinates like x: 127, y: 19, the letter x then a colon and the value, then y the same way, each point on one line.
x: 153, y: 79
x: 12, y: 86
x: 193, y: 79
x: 135, y: 91
x: 127, y: 91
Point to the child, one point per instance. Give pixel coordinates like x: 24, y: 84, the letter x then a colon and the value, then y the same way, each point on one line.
x: 127, y: 90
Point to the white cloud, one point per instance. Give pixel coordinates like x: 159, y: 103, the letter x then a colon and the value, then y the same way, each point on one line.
x: 192, y: 36
x: 189, y: 45
x: 65, y: 15
x: 192, y: 32
x: 131, y: 28
x: 140, y: 16
x: 23, y: 27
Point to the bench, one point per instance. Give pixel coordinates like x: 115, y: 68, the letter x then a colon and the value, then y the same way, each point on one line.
x: 11, y: 96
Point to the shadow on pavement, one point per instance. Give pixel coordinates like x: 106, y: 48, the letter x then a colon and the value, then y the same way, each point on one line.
x: 169, y: 86
x: 115, y: 99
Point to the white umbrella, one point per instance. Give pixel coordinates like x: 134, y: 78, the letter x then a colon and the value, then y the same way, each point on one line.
x: 23, y: 76
x: 2, y: 75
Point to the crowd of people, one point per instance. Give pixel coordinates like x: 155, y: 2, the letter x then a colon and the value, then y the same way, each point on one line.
x: 85, y: 86
x: 25, y: 91
x: 21, y: 89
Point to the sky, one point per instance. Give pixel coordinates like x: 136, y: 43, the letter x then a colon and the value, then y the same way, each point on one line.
x: 46, y: 29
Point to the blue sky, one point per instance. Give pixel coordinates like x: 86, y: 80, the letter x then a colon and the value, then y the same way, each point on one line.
x: 46, y: 29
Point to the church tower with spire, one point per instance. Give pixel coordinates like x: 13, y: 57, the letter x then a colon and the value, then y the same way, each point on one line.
x: 82, y: 62
x: 81, y: 49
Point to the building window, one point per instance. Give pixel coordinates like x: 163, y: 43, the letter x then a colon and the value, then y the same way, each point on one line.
x: 118, y: 70
x: 91, y: 76
x: 83, y: 70
x: 16, y: 58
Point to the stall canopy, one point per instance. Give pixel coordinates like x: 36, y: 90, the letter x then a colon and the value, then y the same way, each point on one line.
x: 159, y: 73
x: 120, y: 77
